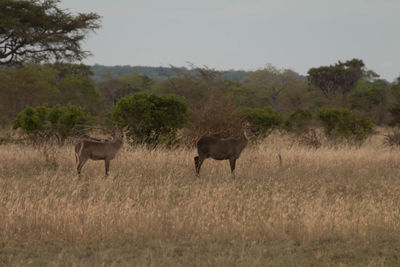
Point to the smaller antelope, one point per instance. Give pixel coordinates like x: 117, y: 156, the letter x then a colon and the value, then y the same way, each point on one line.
x: 99, y: 150
x: 222, y: 149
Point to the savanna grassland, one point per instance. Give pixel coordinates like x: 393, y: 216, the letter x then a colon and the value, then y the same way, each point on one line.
x: 330, y: 206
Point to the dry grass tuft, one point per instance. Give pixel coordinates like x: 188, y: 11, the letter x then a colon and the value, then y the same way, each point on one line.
x: 320, y: 207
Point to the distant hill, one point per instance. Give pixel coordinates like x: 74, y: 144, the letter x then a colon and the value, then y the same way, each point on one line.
x: 155, y: 73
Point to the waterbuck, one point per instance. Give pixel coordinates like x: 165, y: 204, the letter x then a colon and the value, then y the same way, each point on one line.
x: 99, y: 150
x: 222, y: 149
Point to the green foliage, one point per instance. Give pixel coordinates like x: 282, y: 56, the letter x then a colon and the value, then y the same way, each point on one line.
x: 151, y: 119
x: 31, y: 120
x: 33, y: 85
x: 265, y: 119
x: 137, y: 82
x: 301, y: 125
x: 299, y: 120
x: 80, y: 91
x: 341, y: 77
x: 345, y: 124
x: 40, y: 31
x: 370, y: 93
x: 371, y: 98
x: 29, y: 85
x: 268, y: 85
x: 192, y: 90
x: 65, y: 120
x: 42, y: 123
x: 395, y: 108
x: 115, y: 88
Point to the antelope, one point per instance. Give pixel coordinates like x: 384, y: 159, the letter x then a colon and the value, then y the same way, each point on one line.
x: 99, y: 150
x: 222, y: 149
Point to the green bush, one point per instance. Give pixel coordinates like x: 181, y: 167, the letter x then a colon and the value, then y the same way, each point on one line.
x: 31, y: 120
x: 264, y: 120
x: 42, y: 123
x: 299, y: 121
x: 151, y: 119
x: 65, y: 121
x: 345, y: 124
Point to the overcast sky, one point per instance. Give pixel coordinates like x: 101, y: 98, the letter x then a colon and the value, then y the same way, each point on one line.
x: 245, y: 34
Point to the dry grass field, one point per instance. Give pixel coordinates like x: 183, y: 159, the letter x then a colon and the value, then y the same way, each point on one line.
x: 331, y: 206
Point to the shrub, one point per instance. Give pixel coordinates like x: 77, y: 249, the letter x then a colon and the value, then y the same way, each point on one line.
x: 152, y: 119
x: 264, y: 120
x: 345, y: 124
x: 299, y: 121
x: 65, y: 121
x: 43, y: 123
x: 300, y: 125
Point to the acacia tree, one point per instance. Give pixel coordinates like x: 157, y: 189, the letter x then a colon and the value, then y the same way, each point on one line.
x: 343, y: 77
x: 39, y: 31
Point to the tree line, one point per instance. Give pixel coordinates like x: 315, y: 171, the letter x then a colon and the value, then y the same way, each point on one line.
x: 345, y: 99
x: 40, y: 84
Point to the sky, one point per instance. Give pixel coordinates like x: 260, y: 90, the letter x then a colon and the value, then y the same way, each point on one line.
x: 244, y: 34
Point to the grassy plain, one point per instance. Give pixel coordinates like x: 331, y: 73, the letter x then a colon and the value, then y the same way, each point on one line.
x: 331, y: 206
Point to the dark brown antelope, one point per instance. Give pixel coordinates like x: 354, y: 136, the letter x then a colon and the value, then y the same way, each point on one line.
x: 222, y: 149
x: 99, y: 150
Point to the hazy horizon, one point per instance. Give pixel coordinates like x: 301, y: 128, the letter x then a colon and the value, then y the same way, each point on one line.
x: 245, y: 35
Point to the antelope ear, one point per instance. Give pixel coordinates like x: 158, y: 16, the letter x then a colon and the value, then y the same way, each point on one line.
x: 125, y: 128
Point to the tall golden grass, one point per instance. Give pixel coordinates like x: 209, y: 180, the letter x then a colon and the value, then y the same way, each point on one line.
x: 338, y: 205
